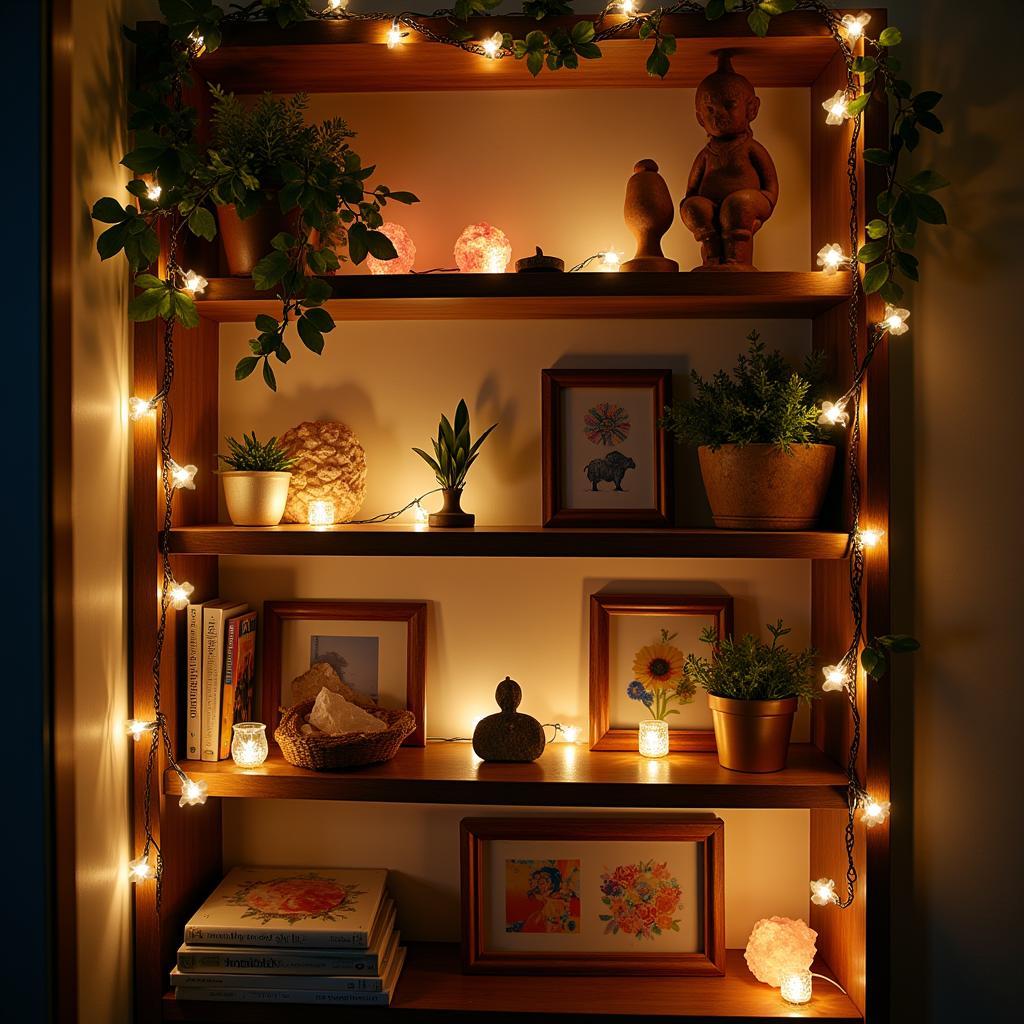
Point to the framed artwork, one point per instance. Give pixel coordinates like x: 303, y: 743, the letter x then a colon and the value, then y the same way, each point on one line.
x: 593, y: 896
x: 606, y: 462
x: 376, y: 647
x: 644, y: 639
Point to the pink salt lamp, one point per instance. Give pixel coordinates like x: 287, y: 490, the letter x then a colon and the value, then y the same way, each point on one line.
x: 779, y: 946
x: 482, y: 249
x: 405, y: 248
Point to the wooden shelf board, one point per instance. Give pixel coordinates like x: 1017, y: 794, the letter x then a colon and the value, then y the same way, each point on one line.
x: 333, y: 56
x: 408, y: 540
x: 564, y: 775
x: 433, y: 988
x: 770, y: 293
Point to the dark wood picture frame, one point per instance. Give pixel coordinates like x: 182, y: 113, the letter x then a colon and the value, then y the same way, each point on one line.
x: 602, y: 608
x: 413, y: 613
x: 553, y: 383
x: 709, y: 832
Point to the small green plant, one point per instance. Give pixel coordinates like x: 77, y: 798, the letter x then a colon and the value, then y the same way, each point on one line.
x: 454, y: 452
x: 763, y: 401
x: 257, y: 457
x: 875, y: 656
x: 750, y: 669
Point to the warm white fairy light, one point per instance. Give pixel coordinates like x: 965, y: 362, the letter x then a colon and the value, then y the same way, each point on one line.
x: 570, y: 733
x: 198, y: 43
x: 835, y: 678
x: 869, y: 538
x: 178, y: 594
x: 823, y: 892
x: 192, y: 793
x: 630, y: 7
x: 419, y: 514
x: 854, y: 24
x: 831, y: 257
x: 139, y: 407
x: 138, y: 727
x: 140, y: 869
x: 894, y: 320
x: 610, y: 260
x: 394, y: 36
x: 337, y: 5
x: 837, y: 108
x: 195, y: 284
x: 154, y: 192
x: 833, y: 413
x: 492, y: 45
x: 183, y: 477
x: 873, y: 812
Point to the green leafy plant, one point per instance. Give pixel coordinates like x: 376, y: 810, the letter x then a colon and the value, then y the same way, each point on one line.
x: 454, y: 450
x: 875, y: 656
x: 255, y: 456
x: 763, y: 401
x: 750, y: 669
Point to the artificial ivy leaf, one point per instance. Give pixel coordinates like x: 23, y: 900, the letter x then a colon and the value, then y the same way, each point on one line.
x: 282, y: 241
x: 201, y: 223
x: 873, y: 661
x: 928, y: 120
x: 929, y: 209
x: 871, y: 251
x: 268, y: 375
x: 282, y: 352
x: 534, y: 62
x: 315, y: 292
x: 876, y: 277
x: 890, y: 37
x: 926, y: 100
x: 169, y: 171
x: 877, y: 228
x: 149, y: 281
x: 926, y: 181
x: 657, y: 64
x: 185, y: 309
x: 357, y: 243
x: 266, y: 324
x: 759, y: 20
x: 403, y: 197
x: 111, y: 242
x: 320, y: 319
x: 144, y: 160
x: 901, y: 643
x: 146, y: 305
x: 902, y: 212
x: 857, y: 105
x: 589, y: 51
x: 667, y: 45
x: 902, y: 88
x: 881, y: 157
x: 269, y: 270
x: 714, y: 10
x: 904, y: 239
x: 909, y: 133
x: 582, y: 32
x: 891, y: 291
x: 245, y: 366
x: 108, y: 211
x: 864, y: 65
x: 312, y: 338
x: 907, y: 265
x: 884, y: 203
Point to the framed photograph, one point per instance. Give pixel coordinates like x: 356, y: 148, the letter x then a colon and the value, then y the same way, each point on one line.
x: 638, y: 645
x: 606, y: 462
x: 593, y: 896
x: 376, y: 647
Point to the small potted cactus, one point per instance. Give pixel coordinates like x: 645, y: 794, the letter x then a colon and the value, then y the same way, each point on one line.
x: 256, y: 480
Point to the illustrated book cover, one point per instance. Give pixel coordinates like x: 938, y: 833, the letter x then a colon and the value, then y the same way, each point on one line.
x: 237, y: 692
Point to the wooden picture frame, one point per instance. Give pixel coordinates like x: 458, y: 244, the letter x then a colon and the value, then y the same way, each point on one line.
x: 588, y: 950
x: 558, y: 510
x: 412, y: 613
x: 603, y: 607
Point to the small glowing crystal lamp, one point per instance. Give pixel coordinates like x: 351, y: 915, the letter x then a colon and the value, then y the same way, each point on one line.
x: 482, y: 249
x: 837, y: 108
x: 195, y: 284
x: 321, y: 513
x: 796, y: 987
x: 823, y: 892
x: 192, y: 793
x: 831, y: 257
x: 570, y: 734
x: 249, y: 744
x: 653, y: 737
x: 405, y: 248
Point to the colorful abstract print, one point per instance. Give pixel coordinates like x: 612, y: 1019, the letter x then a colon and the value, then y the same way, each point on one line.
x: 641, y: 899
x: 606, y: 423
x: 542, y: 896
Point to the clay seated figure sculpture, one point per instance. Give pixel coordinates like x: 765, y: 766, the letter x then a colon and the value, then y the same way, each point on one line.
x: 733, y: 185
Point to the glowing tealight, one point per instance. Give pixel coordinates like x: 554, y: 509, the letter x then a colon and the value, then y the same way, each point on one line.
x: 874, y: 812
x: 137, y: 728
x: 653, y: 737
x: 321, y: 513
x: 570, y: 733
x: 192, y: 793
x: 178, y: 594
x: 492, y: 45
x: 831, y: 257
x: 154, y: 192
x: 894, y: 320
x: 835, y: 678
x: 796, y: 987
x: 249, y: 744
x: 869, y: 538
x: 394, y: 36
x: 140, y: 869
x: 823, y: 892
x: 193, y: 283
x: 854, y: 24
x: 833, y: 413
x: 183, y: 477
x: 837, y: 108
x: 139, y: 407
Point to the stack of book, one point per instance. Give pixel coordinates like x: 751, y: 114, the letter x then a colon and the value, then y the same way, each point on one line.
x: 293, y: 935
x: 221, y: 676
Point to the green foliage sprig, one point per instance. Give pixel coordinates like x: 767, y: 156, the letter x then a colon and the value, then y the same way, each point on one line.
x: 763, y: 401
x: 875, y: 656
x: 257, y: 457
x: 454, y: 450
x: 750, y: 669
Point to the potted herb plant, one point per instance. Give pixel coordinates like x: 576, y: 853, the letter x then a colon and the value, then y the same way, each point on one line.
x: 762, y: 441
x: 454, y: 453
x: 256, y: 482
x: 753, y: 688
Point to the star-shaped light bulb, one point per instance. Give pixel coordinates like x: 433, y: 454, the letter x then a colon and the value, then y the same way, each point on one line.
x: 394, y: 36
x: 831, y: 257
x: 139, y: 407
x: 192, y: 793
x: 854, y: 24
x: 894, y: 320
x: 419, y: 514
x: 835, y: 678
x: 492, y: 45
x: 873, y: 812
x: 837, y: 108
x: 183, y: 477
x: 138, y: 727
x: 140, y: 869
x: 178, y: 594
x: 833, y: 413
x: 195, y: 284
x: 823, y: 892
x: 154, y: 192
x: 869, y: 538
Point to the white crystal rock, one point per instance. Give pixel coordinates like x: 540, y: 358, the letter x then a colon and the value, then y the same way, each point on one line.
x: 321, y: 675
x: 334, y: 715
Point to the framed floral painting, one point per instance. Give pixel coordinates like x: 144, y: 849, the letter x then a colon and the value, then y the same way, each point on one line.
x: 638, y: 649
x: 606, y: 462
x: 593, y: 895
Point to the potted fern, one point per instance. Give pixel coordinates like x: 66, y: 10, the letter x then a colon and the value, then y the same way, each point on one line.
x: 753, y: 689
x: 256, y: 482
x: 454, y: 453
x: 762, y: 439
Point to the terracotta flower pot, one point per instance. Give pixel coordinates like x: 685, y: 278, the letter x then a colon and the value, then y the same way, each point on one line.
x: 762, y: 487
x: 451, y: 513
x: 247, y: 241
x: 752, y: 735
x: 255, y: 499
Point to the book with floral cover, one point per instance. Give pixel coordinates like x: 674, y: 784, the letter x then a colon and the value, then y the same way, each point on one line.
x: 325, y: 908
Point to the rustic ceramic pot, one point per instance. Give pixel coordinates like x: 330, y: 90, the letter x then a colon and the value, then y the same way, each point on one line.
x: 762, y: 487
x: 451, y: 513
x: 255, y: 499
x: 247, y: 241
x: 752, y: 735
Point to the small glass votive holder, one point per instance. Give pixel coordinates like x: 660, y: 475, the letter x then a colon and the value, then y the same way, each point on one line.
x: 796, y: 987
x: 249, y: 744
x: 321, y: 513
x: 653, y: 738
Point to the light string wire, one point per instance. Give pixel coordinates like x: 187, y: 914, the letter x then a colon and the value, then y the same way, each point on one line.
x: 160, y: 735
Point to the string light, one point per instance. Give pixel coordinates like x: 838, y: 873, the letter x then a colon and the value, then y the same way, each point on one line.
x: 831, y: 257
x: 337, y: 5
x: 140, y: 869
x: 493, y: 44
x: 420, y: 514
x: 137, y: 728
x: 869, y: 538
x: 630, y: 7
x: 183, y: 477
x: 571, y: 733
x: 835, y: 678
x: 394, y: 35
x: 837, y: 108
x: 154, y: 192
x: 854, y: 24
x: 611, y: 260
x: 198, y: 43
x: 195, y: 284
x: 833, y: 413
x: 192, y: 793
x: 873, y: 812
x: 139, y: 407
x: 894, y: 320
x: 178, y: 594
x: 823, y: 892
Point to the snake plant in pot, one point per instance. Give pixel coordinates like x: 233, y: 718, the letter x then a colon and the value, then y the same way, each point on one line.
x: 256, y: 482
x: 454, y: 453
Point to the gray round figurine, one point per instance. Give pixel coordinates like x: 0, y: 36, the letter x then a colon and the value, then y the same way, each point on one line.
x: 508, y: 735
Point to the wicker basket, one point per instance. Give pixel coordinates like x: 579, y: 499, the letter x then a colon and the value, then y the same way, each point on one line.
x: 349, y: 750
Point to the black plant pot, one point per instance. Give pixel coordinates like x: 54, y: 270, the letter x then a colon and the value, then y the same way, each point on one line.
x: 451, y: 514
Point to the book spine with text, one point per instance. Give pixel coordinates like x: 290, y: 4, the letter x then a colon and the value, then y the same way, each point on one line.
x: 227, y: 690
x: 207, y: 935
x: 281, y: 995
x: 213, y: 669
x: 339, y: 963
x: 307, y: 983
x: 194, y: 682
